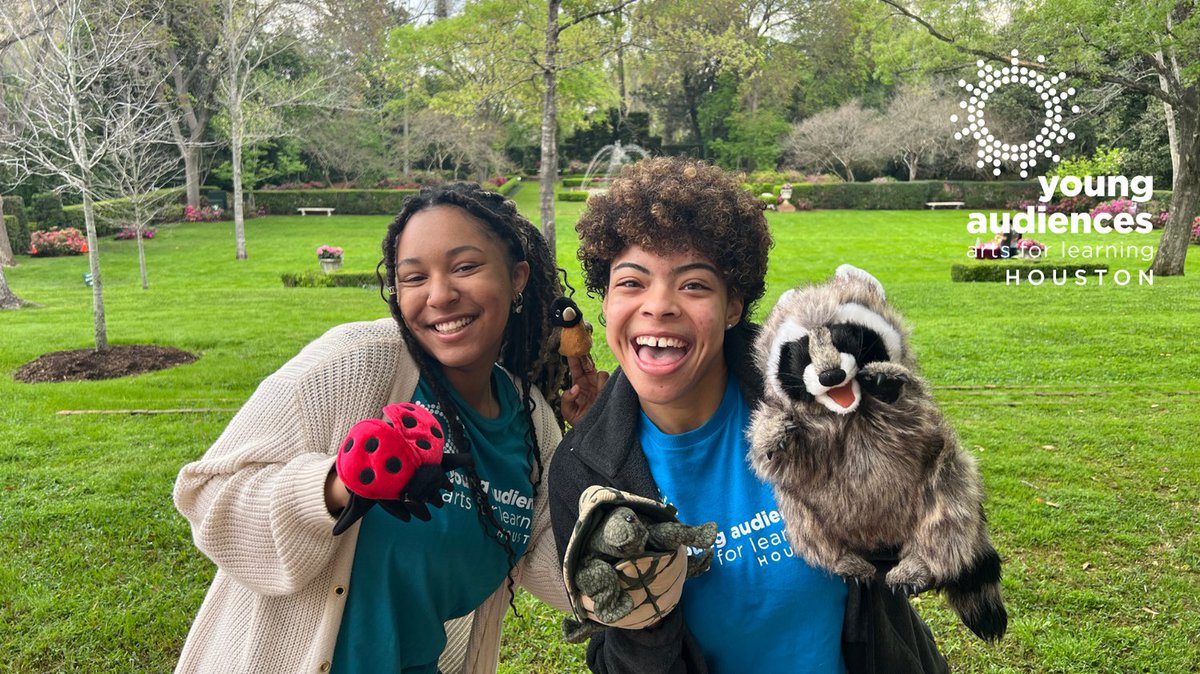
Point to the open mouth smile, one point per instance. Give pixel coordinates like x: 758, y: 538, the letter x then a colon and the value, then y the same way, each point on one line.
x: 655, y: 353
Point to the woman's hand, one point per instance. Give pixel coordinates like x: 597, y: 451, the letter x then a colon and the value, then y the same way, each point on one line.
x: 588, y: 381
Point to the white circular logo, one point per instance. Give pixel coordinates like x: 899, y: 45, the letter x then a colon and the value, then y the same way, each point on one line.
x: 994, y: 151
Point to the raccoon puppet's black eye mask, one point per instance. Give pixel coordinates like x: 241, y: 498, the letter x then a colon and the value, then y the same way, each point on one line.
x: 860, y: 342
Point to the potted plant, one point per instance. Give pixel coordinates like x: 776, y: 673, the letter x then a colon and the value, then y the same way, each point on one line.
x: 330, y: 258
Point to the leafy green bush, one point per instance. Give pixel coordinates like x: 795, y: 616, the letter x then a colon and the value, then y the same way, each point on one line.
x: 572, y: 195
x: 758, y: 189
x: 17, y: 224
x: 344, y: 202
x: 317, y: 279
x: 1103, y: 162
x: 48, y: 210
x: 997, y: 272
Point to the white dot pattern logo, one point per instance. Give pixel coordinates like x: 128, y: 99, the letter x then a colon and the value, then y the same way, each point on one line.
x: 993, y: 151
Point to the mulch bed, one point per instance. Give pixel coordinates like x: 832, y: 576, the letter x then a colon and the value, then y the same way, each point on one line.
x: 115, y: 361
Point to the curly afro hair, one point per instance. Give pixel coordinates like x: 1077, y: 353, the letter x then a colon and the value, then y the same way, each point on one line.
x: 668, y: 205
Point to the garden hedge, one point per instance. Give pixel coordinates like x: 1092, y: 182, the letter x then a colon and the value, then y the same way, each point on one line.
x: 571, y: 195
x: 317, y: 279
x: 913, y: 195
x: 344, y: 202
x: 17, y: 223
x: 997, y: 272
x: 348, y: 201
x: 112, y: 213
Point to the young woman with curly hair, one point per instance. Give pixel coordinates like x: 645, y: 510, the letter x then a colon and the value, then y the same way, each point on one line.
x: 469, y: 283
x: 678, y: 251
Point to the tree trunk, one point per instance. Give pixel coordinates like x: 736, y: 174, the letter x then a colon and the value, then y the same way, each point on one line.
x: 7, y: 259
x: 407, y: 151
x: 549, y: 164
x: 912, y: 170
x: 98, y: 321
x: 142, y: 260
x: 191, y: 172
x: 239, y: 211
x: 7, y: 299
x: 1185, y: 197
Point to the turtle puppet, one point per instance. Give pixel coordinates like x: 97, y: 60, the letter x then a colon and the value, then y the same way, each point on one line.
x: 397, y: 462
x: 624, y: 561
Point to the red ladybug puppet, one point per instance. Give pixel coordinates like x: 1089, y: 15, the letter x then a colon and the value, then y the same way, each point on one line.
x: 398, y: 463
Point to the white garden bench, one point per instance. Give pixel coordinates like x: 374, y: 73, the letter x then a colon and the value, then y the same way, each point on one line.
x: 934, y: 205
x: 306, y: 211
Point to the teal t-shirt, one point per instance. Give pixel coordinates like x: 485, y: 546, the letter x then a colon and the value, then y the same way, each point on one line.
x: 410, y: 577
x: 760, y: 608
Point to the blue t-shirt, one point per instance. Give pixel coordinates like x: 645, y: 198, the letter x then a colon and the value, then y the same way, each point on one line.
x: 760, y: 608
x: 410, y: 577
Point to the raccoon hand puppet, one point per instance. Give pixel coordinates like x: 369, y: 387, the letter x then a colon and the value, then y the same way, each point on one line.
x: 860, y: 457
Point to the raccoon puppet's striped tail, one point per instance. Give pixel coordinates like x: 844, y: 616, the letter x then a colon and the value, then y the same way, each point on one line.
x: 975, y: 597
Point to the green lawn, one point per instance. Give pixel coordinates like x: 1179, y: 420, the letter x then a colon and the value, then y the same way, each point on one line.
x: 1080, y: 403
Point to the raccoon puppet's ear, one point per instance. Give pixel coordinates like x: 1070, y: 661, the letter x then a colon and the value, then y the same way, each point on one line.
x: 851, y: 275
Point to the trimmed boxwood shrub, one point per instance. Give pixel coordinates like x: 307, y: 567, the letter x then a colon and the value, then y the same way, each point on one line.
x: 513, y: 183
x: 317, y: 279
x: 17, y: 224
x: 344, y: 202
x: 48, y: 210
x: 915, y: 194
x: 572, y: 195
x: 998, y: 272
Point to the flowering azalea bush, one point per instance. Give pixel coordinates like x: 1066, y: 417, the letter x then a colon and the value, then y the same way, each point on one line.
x: 1196, y: 230
x: 130, y: 232
x: 206, y: 214
x: 1115, y: 206
x: 329, y: 253
x: 1031, y: 246
x: 56, y: 242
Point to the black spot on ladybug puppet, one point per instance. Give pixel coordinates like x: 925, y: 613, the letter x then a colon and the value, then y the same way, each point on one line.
x: 402, y: 466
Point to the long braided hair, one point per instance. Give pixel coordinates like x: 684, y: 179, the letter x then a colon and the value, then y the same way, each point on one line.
x: 529, y: 349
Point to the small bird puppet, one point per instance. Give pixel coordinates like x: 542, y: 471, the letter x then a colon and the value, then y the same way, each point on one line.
x: 575, y: 334
x: 397, y: 462
x: 859, y: 455
x: 625, y: 559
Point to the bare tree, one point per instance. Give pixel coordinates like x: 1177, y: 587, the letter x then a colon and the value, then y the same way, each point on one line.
x: 916, y: 130
x: 79, y: 84
x: 834, y: 140
x: 139, y: 169
x: 253, y: 33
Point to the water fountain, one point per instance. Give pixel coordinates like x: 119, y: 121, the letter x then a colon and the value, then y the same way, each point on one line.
x: 618, y: 156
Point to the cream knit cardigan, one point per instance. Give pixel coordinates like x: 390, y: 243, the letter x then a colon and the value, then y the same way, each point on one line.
x: 256, y: 503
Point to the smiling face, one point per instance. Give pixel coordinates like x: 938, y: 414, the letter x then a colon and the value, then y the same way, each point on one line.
x: 666, y: 320
x: 455, y: 286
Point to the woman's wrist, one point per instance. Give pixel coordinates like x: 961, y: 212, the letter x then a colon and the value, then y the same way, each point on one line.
x: 337, y: 496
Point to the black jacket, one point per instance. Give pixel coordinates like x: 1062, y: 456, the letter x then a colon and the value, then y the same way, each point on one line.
x: 881, y: 633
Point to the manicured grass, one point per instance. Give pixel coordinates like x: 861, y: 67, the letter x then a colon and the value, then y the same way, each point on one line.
x: 1079, y: 402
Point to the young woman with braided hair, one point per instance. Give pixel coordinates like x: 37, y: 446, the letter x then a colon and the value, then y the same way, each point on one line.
x: 469, y: 282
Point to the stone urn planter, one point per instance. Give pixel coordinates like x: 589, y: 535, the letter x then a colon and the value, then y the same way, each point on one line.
x: 329, y: 265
